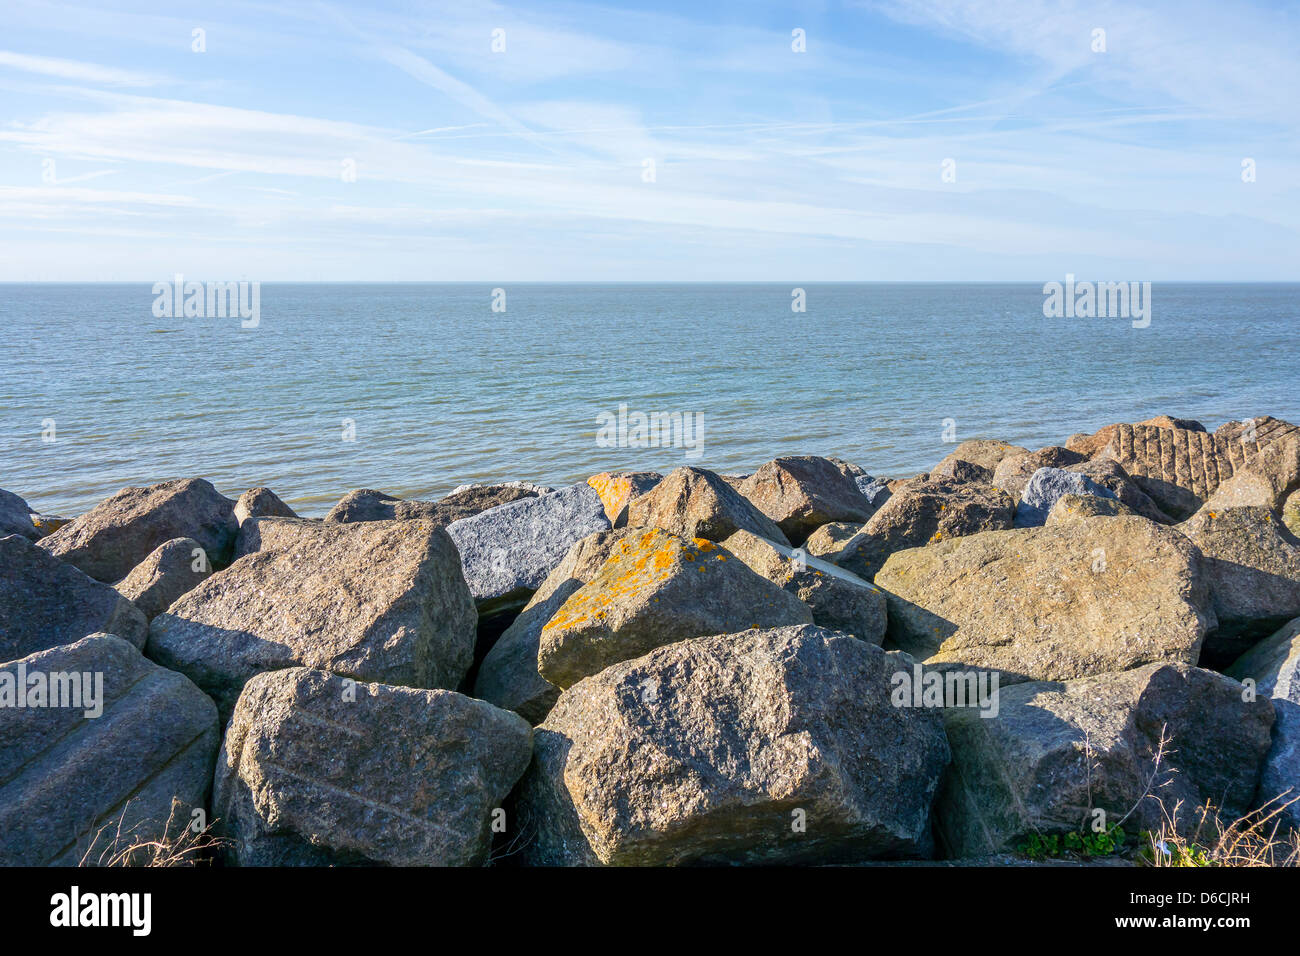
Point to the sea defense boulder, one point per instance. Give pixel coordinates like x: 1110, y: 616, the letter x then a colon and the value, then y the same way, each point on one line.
x: 1058, y: 753
x: 1051, y: 603
x: 1014, y: 472
x: 1270, y: 480
x: 985, y: 453
x: 173, y: 568
x: 1110, y: 475
x: 118, y: 753
x: 1045, y: 487
x: 772, y: 746
x: 379, y: 601
x: 617, y: 488
x: 45, y: 603
x: 366, y: 504
x: 120, y: 532
x: 656, y: 588
x: 319, y: 770
x: 507, y: 551
x: 261, y: 503
x: 1069, y: 508
x: 696, y: 503
x: 803, y: 492
x: 15, y: 517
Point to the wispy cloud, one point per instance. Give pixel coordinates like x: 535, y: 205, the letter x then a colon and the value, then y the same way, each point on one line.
x: 77, y: 71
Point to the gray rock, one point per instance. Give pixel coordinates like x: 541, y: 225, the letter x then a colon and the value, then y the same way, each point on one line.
x: 1047, y: 485
x: 117, y: 534
x: 45, y: 603
x: 778, y: 746
x: 377, y: 601
x: 261, y: 503
x: 508, y: 675
x: 508, y: 551
x: 696, y: 503
x: 1056, y: 752
x: 1077, y: 507
x: 654, y: 589
x: 15, y: 517
x: 172, y: 569
x: 875, y: 490
x: 69, y: 783
x: 1013, y: 473
x: 318, y: 770
x: 1110, y: 475
x: 803, y: 492
x: 365, y: 504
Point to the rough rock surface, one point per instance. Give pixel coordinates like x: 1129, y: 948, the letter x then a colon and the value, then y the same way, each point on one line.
x: 120, y: 532
x: 173, y: 568
x: 45, y: 603
x: 1252, y: 567
x: 378, y: 600
x: 1012, y: 474
x: 654, y: 589
x: 1053, y: 603
x: 507, y: 552
x: 261, y: 503
x: 984, y: 452
x: 839, y: 601
x: 925, y: 512
x: 1077, y: 507
x: 68, y: 781
x: 508, y: 675
x: 617, y: 488
x: 1274, y: 666
x: 803, y: 492
x: 48, y: 524
x: 1057, y: 751
x: 829, y: 541
x: 875, y: 490
x: 1260, y: 431
x: 1089, y: 445
x: 1110, y: 475
x: 15, y: 517
x: 1270, y: 479
x: 319, y: 770
x: 776, y: 746
x: 366, y: 504
x: 1047, y: 486
x: 695, y: 503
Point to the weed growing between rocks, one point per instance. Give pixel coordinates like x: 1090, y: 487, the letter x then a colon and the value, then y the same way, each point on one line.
x: 1256, y: 839
x: 179, y: 845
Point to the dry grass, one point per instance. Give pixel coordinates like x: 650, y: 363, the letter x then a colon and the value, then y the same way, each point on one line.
x: 1260, y: 838
x: 179, y: 845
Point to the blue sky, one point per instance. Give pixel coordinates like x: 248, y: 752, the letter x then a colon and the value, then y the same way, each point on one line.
x: 126, y: 155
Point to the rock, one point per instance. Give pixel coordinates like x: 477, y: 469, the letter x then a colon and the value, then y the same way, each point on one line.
x: 1013, y: 473
x: 1164, y: 421
x: 261, y: 503
x: 617, y: 488
x: 695, y: 503
x: 1052, y: 603
x: 777, y: 746
x: 839, y: 601
x: 317, y: 770
x: 366, y: 504
x: 508, y: 675
x: 986, y: 453
x: 1070, y: 508
x: 1110, y: 475
x: 1046, y: 486
x: 1258, y: 432
x: 1089, y: 445
x: 172, y: 569
x: 45, y: 603
x: 1178, y: 468
x: 507, y: 551
x: 47, y: 524
x: 1252, y: 566
x: 1274, y: 666
x: 957, y: 469
x: 117, y: 534
x: 470, y: 500
x: 1270, y: 479
x: 70, y: 781
x: 830, y: 540
x: 657, y: 588
x: 803, y: 492
x: 257, y: 533
x: 875, y: 490
x: 15, y: 517
x: 377, y: 601
x: 924, y: 512
x: 1056, y: 752
x: 854, y: 473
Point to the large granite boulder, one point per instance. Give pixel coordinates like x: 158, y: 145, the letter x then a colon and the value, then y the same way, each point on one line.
x: 261, y: 503
x: 654, y: 589
x: 508, y: 675
x: 120, y: 532
x: 1052, y: 603
x: 1110, y: 475
x: 1252, y: 567
x: 1057, y: 752
x: 81, y: 784
x: 15, y: 517
x: 379, y: 601
x: 1089, y: 445
x: 45, y: 603
x: 1014, y: 472
x: 829, y: 542
x: 777, y: 746
x: 365, y: 504
x: 803, y: 492
x: 174, y: 567
x: 922, y: 512
x: 839, y: 601
x: 1046, y: 487
x: 1069, y: 508
x: 987, y: 453
x: 695, y: 503
x: 1274, y: 666
x: 1260, y: 431
x: 320, y: 770
x: 1271, y: 479
x: 617, y: 488
x: 508, y: 551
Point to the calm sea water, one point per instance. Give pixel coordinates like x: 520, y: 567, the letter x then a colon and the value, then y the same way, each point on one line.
x: 442, y: 390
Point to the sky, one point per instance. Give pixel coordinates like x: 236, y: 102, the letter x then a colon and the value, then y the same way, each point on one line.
x: 664, y: 141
